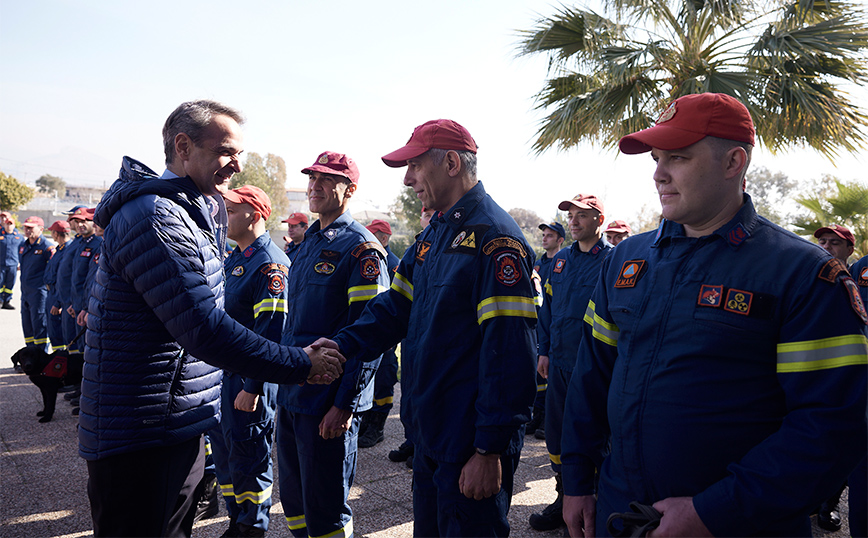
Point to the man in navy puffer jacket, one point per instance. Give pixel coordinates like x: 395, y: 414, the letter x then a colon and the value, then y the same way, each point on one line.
x: 155, y: 315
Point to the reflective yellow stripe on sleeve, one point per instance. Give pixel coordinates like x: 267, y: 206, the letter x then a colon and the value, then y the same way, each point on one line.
x: 364, y: 293
x: 548, y: 287
x: 403, y: 286
x: 516, y: 306
x: 603, y: 330
x: 272, y: 304
x: 824, y: 354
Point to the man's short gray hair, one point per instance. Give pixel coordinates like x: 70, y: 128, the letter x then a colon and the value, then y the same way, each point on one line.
x: 192, y: 118
x: 468, y: 159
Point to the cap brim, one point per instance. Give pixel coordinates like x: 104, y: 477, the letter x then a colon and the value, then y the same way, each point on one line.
x: 661, y: 137
x: 399, y: 158
x: 324, y: 170
x: 567, y: 204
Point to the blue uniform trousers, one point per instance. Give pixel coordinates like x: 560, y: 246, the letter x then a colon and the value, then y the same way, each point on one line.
x: 440, y: 509
x: 556, y: 399
x: 55, y: 323
x: 33, y: 318
x: 70, y: 330
x: 541, y: 388
x: 384, y: 382
x: 7, y: 282
x: 241, y: 450
x: 324, y: 468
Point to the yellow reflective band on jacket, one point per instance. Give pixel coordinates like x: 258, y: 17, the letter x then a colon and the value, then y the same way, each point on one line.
x: 296, y: 522
x: 383, y: 401
x: 58, y: 348
x: 208, y: 448
x: 516, y: 306
x: 256, y: 497
x: 824, y: 354
x: 548, y: 288
x: 364, y: 293
x: 344, y: 532
x: 272, y: 304
x: 602, y: 330
x: 538, y: 301
x: 28, y: 340
x: 403, y: 286
x: 556, y: 458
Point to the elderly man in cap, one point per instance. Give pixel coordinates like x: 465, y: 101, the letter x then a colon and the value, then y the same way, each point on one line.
x: 721, y: 378
x: 617, y: 231
x: 339, y: 267
x: 60, y: 232
x: 463, y: 303
x: 371, y: 430
x: 34, y: 254
x: 256, y: 297
x: 10, y: 240
x: 296, y: 226
x: 568, y: 288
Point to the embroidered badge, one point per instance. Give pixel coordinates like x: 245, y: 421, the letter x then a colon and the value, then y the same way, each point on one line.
x: 276, y: 282
x: 457, y: 215
x: 86, y: 252
x: 324, y: 268
x: 667, y: 114
x: 508, y: 271
x: 856, y: 299
x: 738, y: 301
x: 629, y: 274
x: 458, y: 239
x: 559, y: 265
x: 323, y: 159
x: 369, y: 267
x: 737, y: 235
x: 831, y: 269
x: 863, y: 277
x: 96, y: 258
x: 330, y: 254
x: 470, y: 242
x: 330, y: 234
x: 710, y: 295
x: 503, y: 242
x: 238, y: 270
x: 248, y: 252
x: 422, y: 248
x: 37, y: 252
x: 21, y: 250
x: 269, y: 268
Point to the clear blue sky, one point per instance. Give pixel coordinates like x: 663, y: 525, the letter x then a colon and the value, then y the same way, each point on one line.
x: 98, y: 78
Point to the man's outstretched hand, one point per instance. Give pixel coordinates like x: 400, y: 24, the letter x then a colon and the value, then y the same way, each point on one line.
x: 325, y: 362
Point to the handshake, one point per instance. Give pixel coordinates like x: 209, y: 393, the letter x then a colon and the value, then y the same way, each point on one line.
x: 326, y: 361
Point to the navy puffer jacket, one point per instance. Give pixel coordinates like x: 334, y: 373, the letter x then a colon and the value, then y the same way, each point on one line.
x: 156, y: 309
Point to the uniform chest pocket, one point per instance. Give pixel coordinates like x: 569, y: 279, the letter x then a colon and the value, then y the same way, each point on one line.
x: 453, y: 271
x: 744, y: 312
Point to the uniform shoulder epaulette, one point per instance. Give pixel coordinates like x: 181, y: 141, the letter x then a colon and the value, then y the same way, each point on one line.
x: 370, y: 245
x: 831, y: 270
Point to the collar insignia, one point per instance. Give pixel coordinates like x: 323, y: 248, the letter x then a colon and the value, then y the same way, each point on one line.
x: 330, y: 233
x: 737, y: 235
x: 248, y: 252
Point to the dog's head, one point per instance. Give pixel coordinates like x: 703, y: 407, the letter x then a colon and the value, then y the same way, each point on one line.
x: 31, y: 359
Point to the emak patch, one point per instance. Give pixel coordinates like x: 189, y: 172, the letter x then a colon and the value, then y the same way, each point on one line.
x: 710, y: 295
x: 324, y: 268
x: 863, y: 277
x: 738, y: 302
x: 560, y: 263
x: 630, y: 273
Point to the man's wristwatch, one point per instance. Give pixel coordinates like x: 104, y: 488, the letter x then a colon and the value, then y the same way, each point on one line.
x: 482, y: 452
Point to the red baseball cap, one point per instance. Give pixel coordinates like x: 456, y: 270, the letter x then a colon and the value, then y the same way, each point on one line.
x: 441, y: 134
x: 618, y: 226
x: 378, y: 225
x: 82, y: 213
x: 582, y: 201
x: 337, y: 164
x: 296, y: 218
x: 254, y: 196
x: 689, y: 119
x: 840, y: 231
x: 34, y: 221
x: 60, y: 226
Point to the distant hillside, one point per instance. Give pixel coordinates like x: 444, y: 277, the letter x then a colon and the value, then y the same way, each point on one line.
x: 77, y: 167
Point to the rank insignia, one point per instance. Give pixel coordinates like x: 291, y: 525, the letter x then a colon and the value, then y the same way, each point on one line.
x: 737, y: 235
x: 856, y: 299
x: 630, y: 272
x: 330, y: 234
x: 370, y: 267
x: 508, y: 271
x: 330, y: 254
x: 560, y: 263
x: 710, y: 295
x: 457, y: 215
x: 596, y: 249
x: 324, y: 268
x: 238, y: 270
x: 248, y: 252
x: 738, y: 301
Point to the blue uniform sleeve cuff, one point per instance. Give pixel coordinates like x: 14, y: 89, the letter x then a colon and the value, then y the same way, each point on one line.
x: 578, y: 479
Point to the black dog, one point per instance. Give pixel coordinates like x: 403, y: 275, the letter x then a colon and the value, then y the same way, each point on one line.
x: 49, y: 373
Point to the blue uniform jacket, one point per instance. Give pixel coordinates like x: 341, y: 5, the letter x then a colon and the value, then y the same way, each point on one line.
x: 33, y: 259
x: 88, y: 248
x: 291, y: 250
x: 50, y: 276
x: 573, y: 274
x: 64, y: 273
x: 335, y: 273
x: 9, y: 243
x: 731, y: 367
x: 462, y: 301
x: 256, y: 292
x: 156, y: 314
x: 859, y: 270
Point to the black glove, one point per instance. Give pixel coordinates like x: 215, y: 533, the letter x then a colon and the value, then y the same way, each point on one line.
x: 639, y: 522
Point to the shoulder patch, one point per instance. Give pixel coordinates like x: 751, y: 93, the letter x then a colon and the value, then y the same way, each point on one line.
x: 863, y: 277
x: 369, y: 266
x: 276, y: 282
x: 831, y: 269
x: 269, y: 268
x: 422, y: 248
x: 504, y: 242
x: 560, y: 263
x: 856, y: 299
x: 507, y: 267
x: 630, y: 273
x: 369, y: 245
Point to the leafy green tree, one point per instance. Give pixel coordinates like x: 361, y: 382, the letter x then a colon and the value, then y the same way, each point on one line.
x: 848, y: 207
x: 771, y: 193
x: 529, y: 223
x: 49, y: 184
x: 407, y: 208
x: 789, y: 61
x: 268, y: 174
x: 13, y: 193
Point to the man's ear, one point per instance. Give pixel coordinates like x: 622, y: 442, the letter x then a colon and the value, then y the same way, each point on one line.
x: 183, y: 145
x: 351, y: 188
x: 453, y: 163
x: 735, y: 162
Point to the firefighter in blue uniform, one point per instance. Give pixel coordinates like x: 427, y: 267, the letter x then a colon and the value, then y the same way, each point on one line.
x: 33, y: 255
x: 60, y: 234
x: 10, y: 240
x: 463, y: 305
x: 296, y: 226
x: 88, y: 248
x: 572, y: 278
x: 64, y: 280
x: 371, y: 430
x: 256, y: 297
x: 723, y: 357
x: 858, y: 481
x: 338, y: 269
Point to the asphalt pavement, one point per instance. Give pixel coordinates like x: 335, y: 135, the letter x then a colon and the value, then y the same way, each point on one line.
x: 43, y: 481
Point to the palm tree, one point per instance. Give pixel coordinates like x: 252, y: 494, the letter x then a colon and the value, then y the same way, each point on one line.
x: 789, y: 61
x: 848, y: 207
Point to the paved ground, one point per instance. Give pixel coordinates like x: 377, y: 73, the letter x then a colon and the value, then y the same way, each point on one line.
x: 43, y: 481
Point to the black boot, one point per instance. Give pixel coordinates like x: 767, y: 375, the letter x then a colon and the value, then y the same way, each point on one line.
x: 209, y: 502
x: 536, y: 422
x: 7, y: 305
x: 403, y: 452
x: 828, y: 517
x: 374, y: 432
x: 552, y: 515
